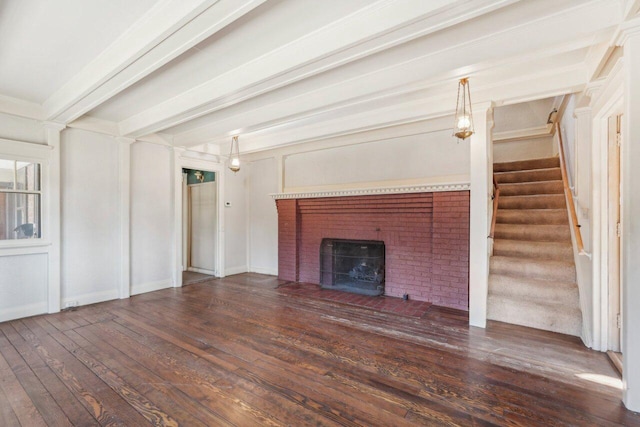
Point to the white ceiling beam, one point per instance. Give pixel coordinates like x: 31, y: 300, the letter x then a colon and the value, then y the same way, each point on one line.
x: 441, y: 102
x: 386, y: 84
x: 379, y: 26
x: 169, y: 29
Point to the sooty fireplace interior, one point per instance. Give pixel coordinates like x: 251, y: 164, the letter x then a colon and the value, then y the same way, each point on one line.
x: 352, y: 265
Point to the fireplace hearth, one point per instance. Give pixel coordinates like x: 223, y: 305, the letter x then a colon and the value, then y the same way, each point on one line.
x: 353, y: 266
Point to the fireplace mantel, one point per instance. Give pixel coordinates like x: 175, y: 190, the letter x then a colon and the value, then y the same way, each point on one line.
x: 406, y: 189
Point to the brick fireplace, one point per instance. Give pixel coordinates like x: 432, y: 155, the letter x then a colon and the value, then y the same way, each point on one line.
x: 426, y: 238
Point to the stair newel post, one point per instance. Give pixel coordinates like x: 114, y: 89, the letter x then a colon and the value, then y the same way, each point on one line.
x: 481, y: 209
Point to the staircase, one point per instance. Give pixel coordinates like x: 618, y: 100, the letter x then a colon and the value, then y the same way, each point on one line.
x: 532, y: 280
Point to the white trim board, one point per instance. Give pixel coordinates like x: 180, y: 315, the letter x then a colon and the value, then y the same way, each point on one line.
x: 151, y: 286
x: 22, y: 311
x: 91, y: 298
x: 427, y: 188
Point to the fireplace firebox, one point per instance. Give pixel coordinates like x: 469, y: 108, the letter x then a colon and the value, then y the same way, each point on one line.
x: 352, y: 265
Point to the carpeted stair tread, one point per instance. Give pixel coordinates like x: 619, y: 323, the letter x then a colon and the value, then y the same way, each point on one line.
x: 532, y: 216
x: 536, y: 233
x: 531, y: 188
x: 534, y: 175
x: 532, y: 280
x: 535, y: 315
x: 560, y: 251
x: 562, y: 271
x: 564, y: 294
x: 549, y: 162
x: 534, y: 201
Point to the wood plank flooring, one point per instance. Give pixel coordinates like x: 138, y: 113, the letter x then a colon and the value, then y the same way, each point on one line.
x: 239, y: 351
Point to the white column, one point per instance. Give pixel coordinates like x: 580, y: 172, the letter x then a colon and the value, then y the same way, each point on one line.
x: 177, y: 214
x: 481, y: 176
x: 124, y: 153
x: 52, y: 231
x: 630, y: 157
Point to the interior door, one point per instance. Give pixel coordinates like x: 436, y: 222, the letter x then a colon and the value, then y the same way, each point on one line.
x: 615, y: 306
x: 202, y: 230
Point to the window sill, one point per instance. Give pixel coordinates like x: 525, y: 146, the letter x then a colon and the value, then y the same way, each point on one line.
x: 24, y: 247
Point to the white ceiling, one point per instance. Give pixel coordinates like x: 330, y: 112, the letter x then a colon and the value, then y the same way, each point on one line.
x: 281, y: 72
x: 44, y: 43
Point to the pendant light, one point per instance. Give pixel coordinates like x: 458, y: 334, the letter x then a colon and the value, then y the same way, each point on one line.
x: 234, y: 155
x: 463, y: 126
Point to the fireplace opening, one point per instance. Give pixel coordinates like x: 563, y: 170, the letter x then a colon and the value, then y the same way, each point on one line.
x: 352, y: 265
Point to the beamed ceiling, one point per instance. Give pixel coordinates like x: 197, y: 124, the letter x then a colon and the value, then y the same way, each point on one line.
x: 280, y: 72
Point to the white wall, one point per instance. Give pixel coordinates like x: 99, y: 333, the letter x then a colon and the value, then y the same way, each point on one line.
x: 151, y: 218
x: 23, y: 286
x: 431, y: 157
x: 21, y: 129
x: 235, y: 256
x: 536, y: 148
x: 90, y: 217
x: 263, y: 217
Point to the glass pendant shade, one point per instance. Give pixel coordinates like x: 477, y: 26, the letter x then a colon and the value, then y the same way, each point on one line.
x: 234, y: 155
x: 463, y: 126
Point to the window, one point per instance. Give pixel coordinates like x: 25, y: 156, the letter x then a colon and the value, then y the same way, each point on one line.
x: 20, y: 197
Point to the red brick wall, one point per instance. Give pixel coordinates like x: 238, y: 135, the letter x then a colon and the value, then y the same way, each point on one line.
x: 287, y: 239
x: 426, y: 238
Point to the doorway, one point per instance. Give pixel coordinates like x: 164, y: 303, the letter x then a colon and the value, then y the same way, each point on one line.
x: 200, y: 237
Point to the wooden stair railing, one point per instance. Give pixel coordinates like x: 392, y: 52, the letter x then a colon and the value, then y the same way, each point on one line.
x: 568, y: 194
x: 496, y: 196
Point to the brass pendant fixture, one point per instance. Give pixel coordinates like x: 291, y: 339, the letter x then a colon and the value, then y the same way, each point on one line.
x: 463, y: 126
x: 234, y: 155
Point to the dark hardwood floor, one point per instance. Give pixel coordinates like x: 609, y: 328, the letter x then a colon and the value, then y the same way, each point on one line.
x: 238, y: 351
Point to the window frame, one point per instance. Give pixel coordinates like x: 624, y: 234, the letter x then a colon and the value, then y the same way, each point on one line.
x: 33, y: 153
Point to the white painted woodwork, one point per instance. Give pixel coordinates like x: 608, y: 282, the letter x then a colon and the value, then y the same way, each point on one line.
x: 183, y: 159
x: 202, y: 228
x: 52, y: 217
x: 152, y: 224
x: 263, y: 217
x: 25, y: 264
x: 236, y: 220
x: 630, y: 155
x: 124, y: 170
x: 90, y: 201
x: 481, y: 174
x: 172, y: 29
x: 24, y: 285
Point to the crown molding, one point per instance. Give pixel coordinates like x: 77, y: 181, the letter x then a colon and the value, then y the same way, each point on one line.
x: 630, y: 28
x: 430, y: 188
x: 521, y: 134
x: 20, y: 108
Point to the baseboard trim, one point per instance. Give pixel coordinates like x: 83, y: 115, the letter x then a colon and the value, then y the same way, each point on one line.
x: 269, y: 271
x: 151, y: 286
x: 91, y: 298
x: 13, y: 313
x: 202, y: 270
x: 230, y: 271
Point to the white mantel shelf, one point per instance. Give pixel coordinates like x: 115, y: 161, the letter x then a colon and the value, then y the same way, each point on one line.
x: 431, y: 188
